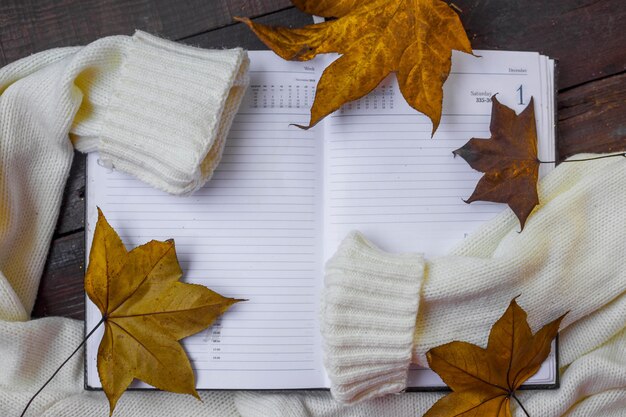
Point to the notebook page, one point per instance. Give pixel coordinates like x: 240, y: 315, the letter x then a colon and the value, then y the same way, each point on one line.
x: 252, y: 232
x: 386, y: 177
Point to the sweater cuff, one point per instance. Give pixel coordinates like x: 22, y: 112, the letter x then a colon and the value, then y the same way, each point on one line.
x: 368, y: 313
x: 170, y: 112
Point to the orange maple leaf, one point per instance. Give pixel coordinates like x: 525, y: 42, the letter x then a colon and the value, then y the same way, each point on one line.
x: 415, y: 39
x: 483, y: 381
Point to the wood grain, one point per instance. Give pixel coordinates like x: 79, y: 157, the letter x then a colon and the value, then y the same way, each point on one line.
x: 61, y: 291
x: 29, y: 26
x: 239, y: 35
x: 585, y: 36
x: 72, y: 217
x: 592, y: 117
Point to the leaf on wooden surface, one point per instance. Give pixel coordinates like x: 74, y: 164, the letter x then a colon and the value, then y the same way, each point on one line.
x: 415, y: 39
x: 508, y: 159
x: 146, y: 310
x: 484, y: 380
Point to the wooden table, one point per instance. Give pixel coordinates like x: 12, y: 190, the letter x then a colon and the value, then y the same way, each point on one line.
x: 587, y: 37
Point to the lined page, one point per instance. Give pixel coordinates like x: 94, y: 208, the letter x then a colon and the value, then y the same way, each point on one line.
x: 252, y: 232
x: 386, y: 176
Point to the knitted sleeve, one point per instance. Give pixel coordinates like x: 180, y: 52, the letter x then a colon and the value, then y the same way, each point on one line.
x: 153, y: 108
x: 368, y: 315
x: 157, y: 109
x: 568, y: 258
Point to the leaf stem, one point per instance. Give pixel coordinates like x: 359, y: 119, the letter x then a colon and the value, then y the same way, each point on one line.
x: 585, y: 159
x: 520, y: 404
x: 61, y: 366
x: 455, y: 7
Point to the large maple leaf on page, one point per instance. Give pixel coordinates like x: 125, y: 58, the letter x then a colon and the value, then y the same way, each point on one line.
x: 413, y: 38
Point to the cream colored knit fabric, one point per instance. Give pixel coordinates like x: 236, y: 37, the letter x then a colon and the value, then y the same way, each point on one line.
x: 568, y: 258
x: 153, y: 108
x: 576, y: 240
x: 368, y: 314
x: 158, y: 110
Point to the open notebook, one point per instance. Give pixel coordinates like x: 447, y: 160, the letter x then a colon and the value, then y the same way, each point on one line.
x: 283, y: 198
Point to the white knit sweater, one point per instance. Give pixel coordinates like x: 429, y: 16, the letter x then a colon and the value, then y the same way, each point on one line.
x: 160, y: 111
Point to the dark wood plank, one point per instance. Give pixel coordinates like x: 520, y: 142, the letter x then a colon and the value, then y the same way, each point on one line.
x: 592, y: 117
x: 239, y: 35
x: 586, y: 36
x: 29, y: 26
x: 61, y: 291
x: 72, y: 216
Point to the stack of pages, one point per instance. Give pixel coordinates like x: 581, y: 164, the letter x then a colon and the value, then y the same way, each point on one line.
x: 282, y: 199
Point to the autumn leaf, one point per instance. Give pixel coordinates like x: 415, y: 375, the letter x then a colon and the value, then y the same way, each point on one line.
x: 146, y: 310
x: 508, y: 159
x: 415, y: 39
x: 483, y: 381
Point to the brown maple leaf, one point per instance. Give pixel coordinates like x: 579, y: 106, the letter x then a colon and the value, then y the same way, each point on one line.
x: 415, y: 39
x: 146, y: 310
x: 508, y: 159
x: 484, y: 380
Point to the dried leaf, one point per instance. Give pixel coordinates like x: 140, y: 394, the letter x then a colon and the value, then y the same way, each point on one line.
x: 484, y: 380
x: 415, y: 39
x: 508, y: 159
x: 146, y: 311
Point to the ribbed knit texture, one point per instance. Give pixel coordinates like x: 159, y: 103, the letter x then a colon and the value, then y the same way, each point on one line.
x: 197, y: 93
x: 161, y: 112
x: 569, y: 257
x: 367, y: 318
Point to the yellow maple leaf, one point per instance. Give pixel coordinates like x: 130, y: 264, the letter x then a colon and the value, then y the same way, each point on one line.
x: 483, y: 381
x: 146, y: 310
x: 413, y: 38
